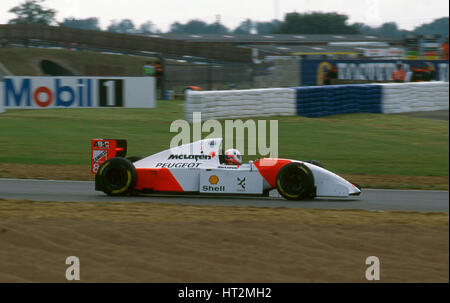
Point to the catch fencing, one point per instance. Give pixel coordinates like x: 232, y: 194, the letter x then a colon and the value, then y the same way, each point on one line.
x: 208, y: 75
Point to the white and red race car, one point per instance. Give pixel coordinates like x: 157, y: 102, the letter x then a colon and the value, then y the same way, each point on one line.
x: 198, y: 167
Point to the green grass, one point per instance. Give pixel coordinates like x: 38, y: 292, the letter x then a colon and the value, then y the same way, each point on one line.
x: 26, y: 61
x: 347, y: 144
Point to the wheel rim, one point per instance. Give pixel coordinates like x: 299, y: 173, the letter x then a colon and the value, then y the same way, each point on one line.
x: 115, y: 177
x: 292, y: 183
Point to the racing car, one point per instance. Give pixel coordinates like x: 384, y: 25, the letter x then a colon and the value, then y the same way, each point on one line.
x: 200, y: 167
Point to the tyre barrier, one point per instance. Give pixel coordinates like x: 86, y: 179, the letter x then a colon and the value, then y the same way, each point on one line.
x: 413, y: 97
x: 241, y: 103
x: 318, y: 101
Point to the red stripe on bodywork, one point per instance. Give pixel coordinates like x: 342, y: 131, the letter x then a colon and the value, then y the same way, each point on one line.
x: 268, y: 168
x: 158, y: 179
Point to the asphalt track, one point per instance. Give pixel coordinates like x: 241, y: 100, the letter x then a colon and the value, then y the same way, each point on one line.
x: 370, y: 199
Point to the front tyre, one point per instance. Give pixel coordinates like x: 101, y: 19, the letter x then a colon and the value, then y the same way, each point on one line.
x: 295, y: 181
x: 116, y: 177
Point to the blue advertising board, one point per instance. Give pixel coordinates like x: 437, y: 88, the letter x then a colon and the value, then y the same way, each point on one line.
x: 312, y: 71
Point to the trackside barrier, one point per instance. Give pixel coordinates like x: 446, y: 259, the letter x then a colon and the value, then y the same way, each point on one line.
x: 318, y: 101
x: 413, y: 97
x: 241, y: 103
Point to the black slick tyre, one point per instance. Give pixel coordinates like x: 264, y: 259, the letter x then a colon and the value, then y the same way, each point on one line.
x: 295, y: 181
x: 116, y: 177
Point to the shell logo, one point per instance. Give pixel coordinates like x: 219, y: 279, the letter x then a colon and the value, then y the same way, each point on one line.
x: 213, y: 179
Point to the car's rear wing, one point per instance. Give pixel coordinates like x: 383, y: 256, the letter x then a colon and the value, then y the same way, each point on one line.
x: 104, y: 149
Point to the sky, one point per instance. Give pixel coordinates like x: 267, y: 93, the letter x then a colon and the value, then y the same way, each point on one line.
x: 407, y: 13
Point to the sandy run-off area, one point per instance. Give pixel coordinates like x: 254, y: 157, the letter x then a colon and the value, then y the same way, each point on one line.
x: 146, y: 242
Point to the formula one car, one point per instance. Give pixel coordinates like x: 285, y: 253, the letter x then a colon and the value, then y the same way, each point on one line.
x: 198, y: 167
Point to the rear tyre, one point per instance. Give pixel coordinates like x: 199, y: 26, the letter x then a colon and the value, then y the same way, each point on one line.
x: 295, y: 181
x: 116, y: 177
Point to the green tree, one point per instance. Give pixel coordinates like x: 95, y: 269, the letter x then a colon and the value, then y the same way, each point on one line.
x: 437, y: 27
x: 245, y: 27
x: 267, y: 27
x: 391, y: 30
x: 364, y: 29
x: 260, y: 28
x: 388, y: 29
x: 191, y: 27
x: 89, y: 23
x: 315, y: 23
x: 125, y: 26
x: 147, y: 28
x: 198, y: 27
x: 31, y: 12
x: 218, y: 28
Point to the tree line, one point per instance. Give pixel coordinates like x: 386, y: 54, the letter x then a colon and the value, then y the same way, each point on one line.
x: 33, y: 12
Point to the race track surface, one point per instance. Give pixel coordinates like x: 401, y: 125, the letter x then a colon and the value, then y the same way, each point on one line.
x: 370, y: 199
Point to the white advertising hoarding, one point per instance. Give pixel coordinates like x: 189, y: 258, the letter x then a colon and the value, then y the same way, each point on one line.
x: 384, y: 52
x: 81, y: 92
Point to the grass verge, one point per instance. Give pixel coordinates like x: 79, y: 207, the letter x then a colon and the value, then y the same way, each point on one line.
x: 401, y: 149
x: 27, y: 61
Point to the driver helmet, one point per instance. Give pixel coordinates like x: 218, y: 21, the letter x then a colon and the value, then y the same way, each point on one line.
x: 233, y: 157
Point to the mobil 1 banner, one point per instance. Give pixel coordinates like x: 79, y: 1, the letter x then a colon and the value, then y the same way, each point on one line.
x: 110, y: 92
x: 78, y: 92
